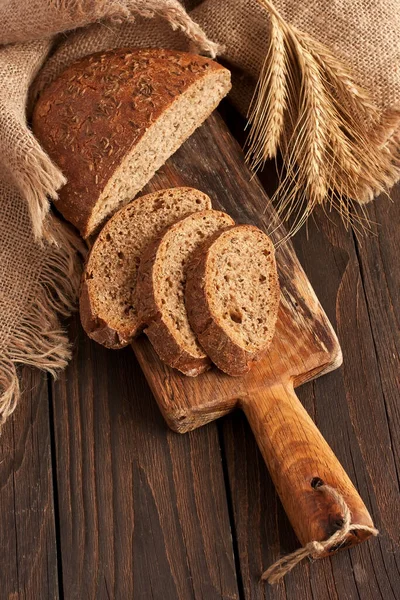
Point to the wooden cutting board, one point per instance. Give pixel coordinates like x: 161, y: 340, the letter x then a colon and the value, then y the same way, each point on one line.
x: 304, y: 346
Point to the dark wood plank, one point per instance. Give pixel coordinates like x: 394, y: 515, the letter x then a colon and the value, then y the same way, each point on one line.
x: 378, y: 256
x: 353, y: 413
x: 28, y: 548
x: 143, y: 511
x: 365, y: 421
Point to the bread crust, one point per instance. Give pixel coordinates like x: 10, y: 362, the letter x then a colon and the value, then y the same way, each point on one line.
x: 225, y: 353
x: 154, y: 325
x: 99, y: 108
x: 96, y: 328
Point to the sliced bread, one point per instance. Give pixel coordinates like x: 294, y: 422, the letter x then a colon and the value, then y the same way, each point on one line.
x: 110, y: 120
x: 107, y: 307
x: 232, y: 297
x: 160, y: 290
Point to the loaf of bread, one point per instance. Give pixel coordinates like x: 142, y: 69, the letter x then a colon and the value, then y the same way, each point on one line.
x: 232, y: 297
x: 110, y: 120
x: 160, y: 290
x: 107, y: 306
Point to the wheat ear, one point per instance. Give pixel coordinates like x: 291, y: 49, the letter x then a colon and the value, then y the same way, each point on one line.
x: 340, y: 77
x: 323, y: 123
x: 269, y: 100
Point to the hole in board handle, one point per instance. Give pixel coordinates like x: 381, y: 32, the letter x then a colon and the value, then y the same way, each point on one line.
x: 316, y: 482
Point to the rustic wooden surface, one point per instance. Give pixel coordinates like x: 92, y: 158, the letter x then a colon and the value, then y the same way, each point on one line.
x: 98, y: 499
x: 304, y: 346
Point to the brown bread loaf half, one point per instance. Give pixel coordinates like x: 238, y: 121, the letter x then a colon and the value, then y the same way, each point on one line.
x: 110, y: 120
x: 160, y: 290
x: 107, y: 307
x: 232, y: 297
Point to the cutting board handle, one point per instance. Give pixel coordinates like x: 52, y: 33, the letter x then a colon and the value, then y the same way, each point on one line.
x: 304, y: 468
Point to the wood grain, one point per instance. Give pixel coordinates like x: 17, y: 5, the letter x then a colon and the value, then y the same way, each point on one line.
x: 28, y: 548
x: 299, y: 461
x: 143, y: 511
x: 303, y: 347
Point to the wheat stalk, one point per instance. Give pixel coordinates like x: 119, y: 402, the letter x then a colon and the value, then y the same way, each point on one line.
x: 308, y: 105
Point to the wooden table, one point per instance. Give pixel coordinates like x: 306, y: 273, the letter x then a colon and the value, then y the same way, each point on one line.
x: 98, y: 499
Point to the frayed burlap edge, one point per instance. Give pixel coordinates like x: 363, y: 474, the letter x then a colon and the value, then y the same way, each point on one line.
x: 39, y: 181
x: 38, y: 339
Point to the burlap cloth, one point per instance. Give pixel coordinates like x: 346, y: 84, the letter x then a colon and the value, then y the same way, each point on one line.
x: 39, y: 264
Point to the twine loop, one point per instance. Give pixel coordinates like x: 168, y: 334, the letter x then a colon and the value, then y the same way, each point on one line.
x: 315, y: 549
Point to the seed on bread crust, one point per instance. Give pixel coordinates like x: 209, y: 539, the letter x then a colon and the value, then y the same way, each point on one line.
x: 110, y: 120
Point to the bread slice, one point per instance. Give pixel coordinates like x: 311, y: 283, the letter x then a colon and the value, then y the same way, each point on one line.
x: 110, y: 120
x: 160, y: 290
x: 107, y: 307
x: 232, y: 297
